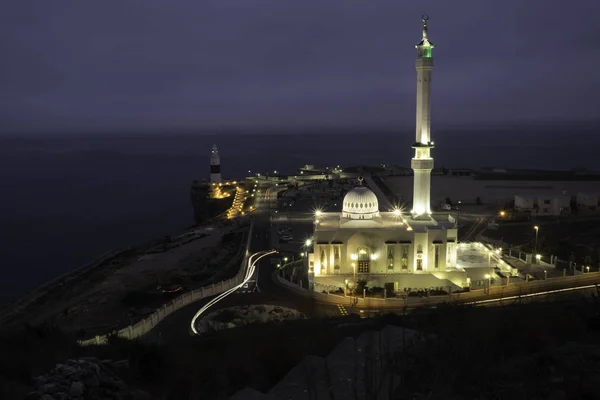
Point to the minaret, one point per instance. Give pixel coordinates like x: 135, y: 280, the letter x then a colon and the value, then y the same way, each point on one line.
x: 215, y: 165
x: 422, y: 163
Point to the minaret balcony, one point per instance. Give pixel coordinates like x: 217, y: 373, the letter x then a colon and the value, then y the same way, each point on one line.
x: 419, y: 145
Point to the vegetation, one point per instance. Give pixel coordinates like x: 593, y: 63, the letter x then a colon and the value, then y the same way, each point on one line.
x: 521, y: 351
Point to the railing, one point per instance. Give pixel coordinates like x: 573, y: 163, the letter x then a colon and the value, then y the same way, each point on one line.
x: 147, y: 324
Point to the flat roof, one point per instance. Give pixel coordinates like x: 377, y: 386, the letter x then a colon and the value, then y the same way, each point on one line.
x: 386, y: 220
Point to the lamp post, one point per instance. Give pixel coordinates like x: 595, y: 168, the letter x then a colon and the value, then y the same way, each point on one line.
x: 489, y: 279
x: 490, y: 259
x: 354, y: 270
x: 537, y: 230
x: 545, y: 274
x: 458, y: 214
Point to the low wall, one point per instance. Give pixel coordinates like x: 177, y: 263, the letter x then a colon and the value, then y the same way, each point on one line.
x: 496, y: 292
x: 147, y: 324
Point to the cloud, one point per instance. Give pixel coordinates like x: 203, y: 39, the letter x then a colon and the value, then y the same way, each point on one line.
x: 76, y: 65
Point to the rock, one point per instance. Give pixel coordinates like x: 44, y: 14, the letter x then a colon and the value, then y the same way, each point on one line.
x: 49, y: 387
x: 77, y: 389
x: 91, y: 381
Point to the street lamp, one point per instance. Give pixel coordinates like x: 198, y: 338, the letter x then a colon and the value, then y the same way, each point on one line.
x: 458, y: 214
x: 588, y: 269
x: 489, y: 279
x: 545, y: 274
x: 490, y: 259
x: 537, y: 230
x: 538, y: 257
x: 354, y: 269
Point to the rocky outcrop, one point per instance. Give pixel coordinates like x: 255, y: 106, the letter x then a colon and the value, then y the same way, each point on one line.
x: 356, y: 369
x: 243, y: 315
x: 85, y: 378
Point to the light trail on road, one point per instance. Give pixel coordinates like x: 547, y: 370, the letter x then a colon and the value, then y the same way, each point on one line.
x: 533, y: 294
x: 249, y: 272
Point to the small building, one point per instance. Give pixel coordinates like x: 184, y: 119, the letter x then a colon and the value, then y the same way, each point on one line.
x: 543, y: 204
x: 589, y: 202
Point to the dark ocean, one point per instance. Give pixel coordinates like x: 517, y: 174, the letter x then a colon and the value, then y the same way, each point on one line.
x: 66, y: 200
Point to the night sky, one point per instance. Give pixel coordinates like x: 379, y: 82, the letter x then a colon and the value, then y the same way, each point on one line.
x: 83, y: 66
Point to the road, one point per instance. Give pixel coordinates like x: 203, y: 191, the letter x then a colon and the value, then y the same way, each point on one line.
x: 176, y: 326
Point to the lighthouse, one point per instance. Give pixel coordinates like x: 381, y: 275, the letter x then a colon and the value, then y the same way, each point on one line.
x: 422, y: 162
x: 215, y: 165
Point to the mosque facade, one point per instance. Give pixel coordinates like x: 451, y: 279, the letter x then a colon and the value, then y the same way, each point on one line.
x: 395, y: 249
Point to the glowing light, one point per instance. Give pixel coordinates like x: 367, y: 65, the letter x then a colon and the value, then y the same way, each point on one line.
x: 251, y: 265
x: 308, y: 242
x: 397, y: 212
x: 487, y: 276
x: 354, y: 257
x: 408, y: 228
x: 318, y: 213
x: 538, y: 256
x: 502, y: 213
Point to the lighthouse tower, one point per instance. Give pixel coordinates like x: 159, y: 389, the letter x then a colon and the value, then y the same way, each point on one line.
x: 422, y: 163
x: 215, y: 165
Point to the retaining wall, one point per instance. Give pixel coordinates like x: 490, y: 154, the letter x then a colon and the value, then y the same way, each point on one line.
x: 513, y: 289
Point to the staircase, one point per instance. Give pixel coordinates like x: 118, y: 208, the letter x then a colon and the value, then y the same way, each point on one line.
x: 238, y: 203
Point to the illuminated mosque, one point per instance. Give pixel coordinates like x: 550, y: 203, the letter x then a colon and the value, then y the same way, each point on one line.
x: 390, y: 249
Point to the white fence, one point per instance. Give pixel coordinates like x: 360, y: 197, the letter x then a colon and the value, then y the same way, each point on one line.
x: 147, y: 324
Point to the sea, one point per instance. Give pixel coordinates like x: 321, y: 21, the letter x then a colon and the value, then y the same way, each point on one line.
x: 66, y: 199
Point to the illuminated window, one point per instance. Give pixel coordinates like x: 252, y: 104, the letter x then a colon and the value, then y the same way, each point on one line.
x: 404, y: 253
x: 390, y: 256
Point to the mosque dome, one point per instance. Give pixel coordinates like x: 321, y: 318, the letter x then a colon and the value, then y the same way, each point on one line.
x: 360, y: 203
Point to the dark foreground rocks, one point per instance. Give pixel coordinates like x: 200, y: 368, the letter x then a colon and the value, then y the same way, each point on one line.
x: 85, y: 378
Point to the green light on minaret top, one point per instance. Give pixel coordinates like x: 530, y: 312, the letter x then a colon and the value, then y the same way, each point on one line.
x: 424, y: 47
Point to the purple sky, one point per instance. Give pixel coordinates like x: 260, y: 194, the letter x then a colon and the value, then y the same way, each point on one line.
x: 163, y: 65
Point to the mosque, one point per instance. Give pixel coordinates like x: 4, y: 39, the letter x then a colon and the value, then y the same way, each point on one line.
x: 391, y: 249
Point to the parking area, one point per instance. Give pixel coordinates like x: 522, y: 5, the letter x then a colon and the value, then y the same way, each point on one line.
x: 290, y: 237
x: 323, y: 195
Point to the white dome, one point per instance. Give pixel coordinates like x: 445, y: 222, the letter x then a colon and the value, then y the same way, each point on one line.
x: 360, y: 203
